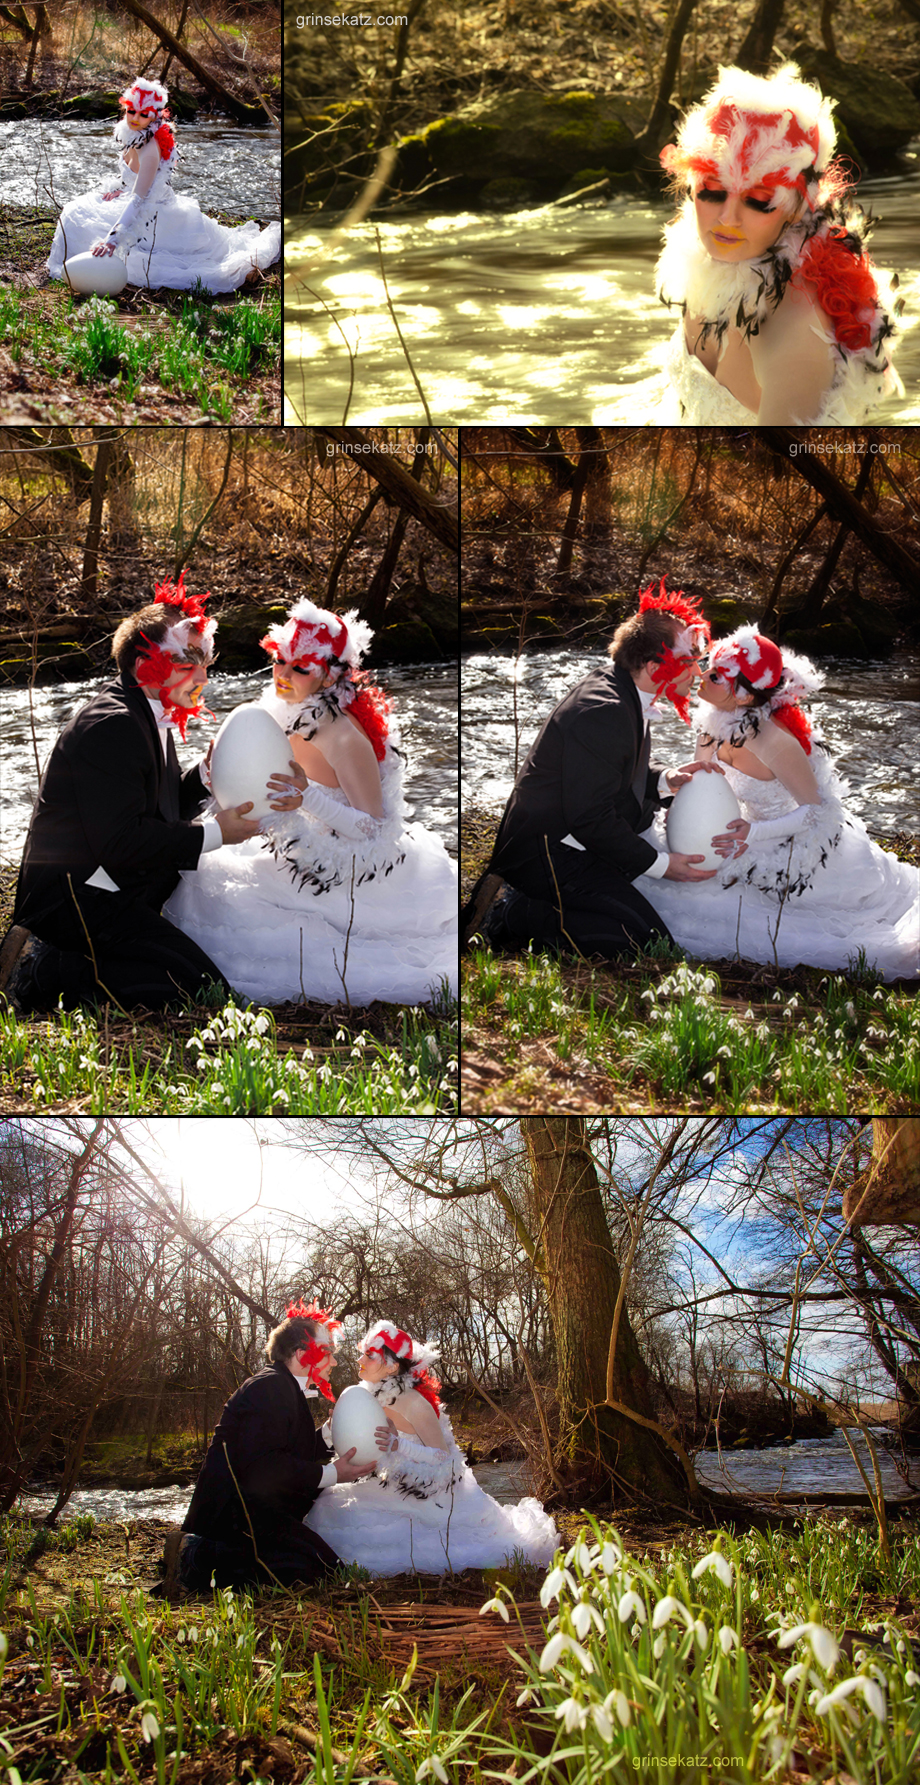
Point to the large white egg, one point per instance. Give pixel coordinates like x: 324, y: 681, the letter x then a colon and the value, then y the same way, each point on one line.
x: 249, y: 747
x: 97, y: 272
x: 355, y: 1418
x: 700, y: 811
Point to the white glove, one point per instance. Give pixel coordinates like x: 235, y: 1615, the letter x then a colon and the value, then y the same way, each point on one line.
x: 786, y: 825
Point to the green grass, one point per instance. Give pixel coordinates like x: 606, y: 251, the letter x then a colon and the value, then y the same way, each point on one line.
x: 718, y: 1657
x: 664, y: 1030
x: 228, y: 1062
x: 192, y: 344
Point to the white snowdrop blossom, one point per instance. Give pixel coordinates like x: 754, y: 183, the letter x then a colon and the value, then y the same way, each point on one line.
x: 716, y: 1564
x: 150, y: 1728
x: 631, y: 1605
x: 431, y: 1765
x: 823, y: 1643
x: 659, y: 1645
x: 495, y: 1605
x: 581, y: 1556
x: 870, y: 1689
x: 701, y: 1633
x: 575, y: 1714
x: 611, y: 1557
x: 911, y: 1678
x: 666, y: 1608
x: 583, y: 1616
x: 602, y: 1722
x: 553, y: 1583
x: 618, y: 1702
x: 528, y: 1696
x: 560, y: 1644
x: 118, y: 1683
x: 728, y: 1639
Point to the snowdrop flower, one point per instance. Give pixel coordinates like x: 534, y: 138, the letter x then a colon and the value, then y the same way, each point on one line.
x: 495, y: 1605
x: 431, y: 1765
x: 581, y: 1556
x: 118, y: 1683
x: 561, y: 1644
x: 617, y: 1701
x: 911, y: 1678
x: 823, y: 1643
x: 728, y: 1639
x: 658, y: 1646
x: 611, y: 1557
x: 701, y: 1633
x: 631, y: 1604
x: 666, y: 1608
x: 716, y: 1564
x: 602, y: 1722
x: 150, y: 1728
x: 528, y: 1696
x: 870, y: 1689
x: 575, y: 1714
x: 552, y: 1584
x: 583, y: 1616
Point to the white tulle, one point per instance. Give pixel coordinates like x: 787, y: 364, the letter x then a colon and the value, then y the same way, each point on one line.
x: 846, y: 894
x: 278, y: 929
x: 393, y: 1524
x: 173, y: 243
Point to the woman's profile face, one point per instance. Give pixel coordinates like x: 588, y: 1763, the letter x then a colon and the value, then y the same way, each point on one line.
x: 718, y: 691
x: 735, y: 226
x: 372, y: 1368
x: 295, y: 685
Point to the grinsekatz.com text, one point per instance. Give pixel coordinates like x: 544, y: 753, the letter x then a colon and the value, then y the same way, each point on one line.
x: 350, y: 18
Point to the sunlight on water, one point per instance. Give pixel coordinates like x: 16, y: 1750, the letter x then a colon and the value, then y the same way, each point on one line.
x: 47, y: 161
x: 542, y: 316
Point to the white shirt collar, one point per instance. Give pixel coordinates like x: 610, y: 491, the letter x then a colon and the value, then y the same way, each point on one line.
x: 647, y: 698
x: 163, y: 719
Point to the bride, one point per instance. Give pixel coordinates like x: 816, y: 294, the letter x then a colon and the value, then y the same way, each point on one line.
x: 163, y: 240
x: 799, y: 871
x: 340, y: 886
x: 423, y: 1511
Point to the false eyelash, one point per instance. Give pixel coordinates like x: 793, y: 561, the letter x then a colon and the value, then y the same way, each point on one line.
x: 718, y: 198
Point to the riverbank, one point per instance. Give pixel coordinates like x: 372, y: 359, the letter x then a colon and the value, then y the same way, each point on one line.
x: 150, y: 357
x: 412, y: 1676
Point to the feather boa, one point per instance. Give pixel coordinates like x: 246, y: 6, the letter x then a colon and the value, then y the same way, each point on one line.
x: 784, y: 866
x: 420, y: 1471
x: 325, y: 842
x: 819, y: 249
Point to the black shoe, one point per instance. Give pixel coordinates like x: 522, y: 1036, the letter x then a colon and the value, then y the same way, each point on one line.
x: 19, y: 954
x: 481, y: 906
x: 173, y: 1585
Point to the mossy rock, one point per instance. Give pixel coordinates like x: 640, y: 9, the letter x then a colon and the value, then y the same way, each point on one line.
x: 318, y: 146
x: 507, y: 195
x: 406, y: 641
x: 544, y: 138
x: 725, y: 613
x: 586, y: 176
x: 878, y: 628
x: 841, y: 639
x: 878, y: 111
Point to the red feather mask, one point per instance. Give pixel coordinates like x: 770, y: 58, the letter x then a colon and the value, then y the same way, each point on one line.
x: 691, y: 641
x: 315, y: 1353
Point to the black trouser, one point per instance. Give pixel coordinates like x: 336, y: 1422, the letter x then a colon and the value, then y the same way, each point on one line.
x: 141, y: 958
x: 284, y: 1551
x: 601, y: 911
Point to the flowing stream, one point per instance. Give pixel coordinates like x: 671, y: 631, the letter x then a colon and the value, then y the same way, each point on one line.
x: 812, y: 1466
x: 867, y: 712
x: 424, y: 700
x: 539, y: 316
x: 47, y: 161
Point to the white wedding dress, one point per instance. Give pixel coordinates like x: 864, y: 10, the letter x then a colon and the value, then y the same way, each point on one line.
x: 842, y: 892
x: 275, y: 914
x: 423, y: 1511
x: 178, y: 246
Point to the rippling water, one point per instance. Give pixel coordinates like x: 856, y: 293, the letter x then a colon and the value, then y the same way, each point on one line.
x: 868, y: 713
x: 424, y: 701
x: 539, y: 316
x: 46, y: 162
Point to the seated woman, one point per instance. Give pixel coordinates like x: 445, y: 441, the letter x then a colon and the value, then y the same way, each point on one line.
x: 164, y: 240
x: 800, y: 873
x: 781, y: 318
x: 423, y: 1510
x: 340, y: 887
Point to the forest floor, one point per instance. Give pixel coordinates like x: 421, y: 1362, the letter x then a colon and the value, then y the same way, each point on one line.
x: 662, y: 1033
x: 382, y: 1678
x: 458, y: 55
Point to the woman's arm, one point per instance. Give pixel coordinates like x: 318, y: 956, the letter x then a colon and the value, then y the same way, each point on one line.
x: 147, y: 163
x: 351, y: 753
x: 793, y: 363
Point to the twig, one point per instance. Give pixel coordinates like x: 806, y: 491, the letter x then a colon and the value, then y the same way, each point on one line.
x: 573, y: 945
x: 341, y: 970
x: 92, y: 955
x: 363, y: 203
x: 399, y: 332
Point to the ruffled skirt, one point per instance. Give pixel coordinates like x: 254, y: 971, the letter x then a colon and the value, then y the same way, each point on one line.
x: 274, y: 940
x: 374, y: 1526
x: 185, y: 246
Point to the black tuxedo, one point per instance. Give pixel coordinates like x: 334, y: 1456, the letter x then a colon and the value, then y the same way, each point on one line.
x: 109, y: 800
x: 587, y: 776
x: 266, y: 1438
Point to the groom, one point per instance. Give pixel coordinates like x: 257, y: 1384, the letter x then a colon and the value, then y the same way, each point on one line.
x: 114, y: 824
x: 568, y: 845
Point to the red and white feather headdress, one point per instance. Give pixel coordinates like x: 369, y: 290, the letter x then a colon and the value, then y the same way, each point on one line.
x: 147, y: 98
x: 749, y: 130
x: 787, y: 677
x: 313, y: 634
x: 315, y: 1353
x: 159, y: 657
x: 692, y: 638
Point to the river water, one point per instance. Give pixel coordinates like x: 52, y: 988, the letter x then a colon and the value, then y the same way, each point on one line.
x: 424, y: 700
x: 868, y: 713
x: 46, y: 162
x: 814, y: 1466
x: 539, y: 316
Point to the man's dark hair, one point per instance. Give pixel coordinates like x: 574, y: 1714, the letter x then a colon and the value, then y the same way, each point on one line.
x: 149, y: 626
x: 291, y: 1336
x: 641, y: 638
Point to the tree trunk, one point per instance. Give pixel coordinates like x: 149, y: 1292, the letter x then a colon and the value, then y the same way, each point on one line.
x: 648, y: 141
x: 757, y: 48
x: 89, y: 584
x: 399, y: 484
x: 841, y: 502
x: 579, y: 1269
x: 238, y: 109
x: 888, y: 1195
x: 567, y: 545
x: 808, y: 611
